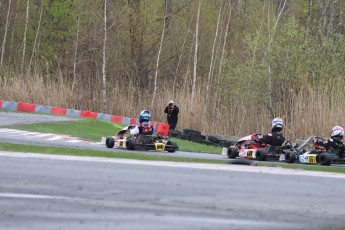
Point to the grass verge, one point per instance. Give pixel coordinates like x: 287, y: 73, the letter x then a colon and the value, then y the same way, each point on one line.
x: 96, y: 153
x: 94, y: 129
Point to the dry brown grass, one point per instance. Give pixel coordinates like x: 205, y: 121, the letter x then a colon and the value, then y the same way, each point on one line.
x: 307, y: 112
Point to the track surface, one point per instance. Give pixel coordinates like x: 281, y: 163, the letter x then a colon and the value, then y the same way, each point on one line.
x: 56, y: 192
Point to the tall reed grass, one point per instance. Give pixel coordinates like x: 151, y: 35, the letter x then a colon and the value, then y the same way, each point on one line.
x: 312, y: 110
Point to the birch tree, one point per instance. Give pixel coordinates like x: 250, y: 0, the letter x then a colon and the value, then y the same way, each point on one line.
x: 212, y: 61
x: 159, y: 53
x: 195, y: 54
x: 270, y: 105
x: 5, y: 34
x: 36, y: 37
x: 104, y: 85
x: 24, y: 37
x: 76, y: 46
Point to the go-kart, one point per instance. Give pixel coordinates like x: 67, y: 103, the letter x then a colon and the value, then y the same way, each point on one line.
x: 146, y: 142
x: 249, y: 147
x: 314, y: 154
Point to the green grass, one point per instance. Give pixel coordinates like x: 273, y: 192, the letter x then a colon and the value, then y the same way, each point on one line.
x: 94, y: 129
x: 96, y: 153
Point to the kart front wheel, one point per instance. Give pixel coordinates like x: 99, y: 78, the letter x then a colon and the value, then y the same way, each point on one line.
x: 261, y: 155
x: 109, y: 142
x: 290, y: 156
x: 232, y: 152
x: 325, y: 159
x: 173, y: 146
x: 130, y: 144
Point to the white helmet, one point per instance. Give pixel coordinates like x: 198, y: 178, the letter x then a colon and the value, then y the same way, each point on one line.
x: 277, y: 123
x: 337, y: 131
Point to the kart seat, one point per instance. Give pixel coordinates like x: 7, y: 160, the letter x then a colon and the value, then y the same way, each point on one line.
x: 144, y: 139
x: 274, y: 149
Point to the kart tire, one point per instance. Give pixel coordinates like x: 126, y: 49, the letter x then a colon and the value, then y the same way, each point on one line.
x: 109, y: 142
x: 185, y: 136
x: 214, y: 139
x: 173, y: 145
x: 174, y: 133
x: 290, y: 156
x: 325, y: 159
x: 130, y: 144
x: 198, y: 136
x: 232, y: 152
x: 261, y: 155
x: 191, y: 131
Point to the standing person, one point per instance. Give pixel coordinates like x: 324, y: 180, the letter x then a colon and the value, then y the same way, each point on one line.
x: 172, y: 114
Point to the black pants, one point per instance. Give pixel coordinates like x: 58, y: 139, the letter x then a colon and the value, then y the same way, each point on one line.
x: 172, y: 125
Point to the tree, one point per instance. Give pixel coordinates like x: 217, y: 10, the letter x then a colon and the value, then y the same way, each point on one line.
x: 159, y: 52
x: 104, y: 85
x: 195, y: 55
x: 5, y: 34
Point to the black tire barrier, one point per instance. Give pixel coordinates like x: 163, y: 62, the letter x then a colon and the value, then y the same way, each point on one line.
x: 174, y: 133
x: 191, y: 131
x: 196, y: 136
x: 214, y: 139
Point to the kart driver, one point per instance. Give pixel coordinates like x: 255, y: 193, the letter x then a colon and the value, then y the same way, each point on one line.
x: 334, y: 142
x: 145, y: 127
x: 276, y: 138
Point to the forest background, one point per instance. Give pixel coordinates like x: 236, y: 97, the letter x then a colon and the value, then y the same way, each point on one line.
x: 230, y: 65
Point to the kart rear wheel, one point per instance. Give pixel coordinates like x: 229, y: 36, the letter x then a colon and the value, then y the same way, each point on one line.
x: 290, y: 156
x: 109, y: 142
x: 261, y: 155
x: 232, y: 152
x: 325, y: 159
x: 173, y: 145
x: 130, y: 144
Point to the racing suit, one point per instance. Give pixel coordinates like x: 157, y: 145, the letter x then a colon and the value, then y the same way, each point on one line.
x: 276, y: 138
x: 331, y: 144
x: 142, y: 129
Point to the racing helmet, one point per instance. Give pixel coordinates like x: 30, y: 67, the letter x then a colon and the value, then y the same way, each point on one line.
x: 337, y: 131
x: 145, y: 116
x: 277, y: 123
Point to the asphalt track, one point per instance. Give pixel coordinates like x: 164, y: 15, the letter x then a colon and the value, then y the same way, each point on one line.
x: 65, y: 192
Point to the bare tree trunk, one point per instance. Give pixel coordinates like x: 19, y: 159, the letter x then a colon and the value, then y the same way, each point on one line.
x: 220, y: 74
x: 76, y: 47
x: 24, y: 38
x: 195, y: 55
x: 5, y: 35
x: 212, y: 60
x: 15, y: 12
x: 179, y: 61
x: 104, y: 86
x: 36, y: 37
x: 159, y: 53
x: 269, y: 87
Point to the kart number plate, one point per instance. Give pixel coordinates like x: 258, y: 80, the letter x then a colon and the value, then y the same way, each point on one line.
x: 312, y: 159
x: 120, y: 143
x: 160, y: 146
x: 250, y: 153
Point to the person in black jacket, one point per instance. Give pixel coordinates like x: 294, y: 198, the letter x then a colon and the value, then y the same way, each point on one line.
x: 335, y: 142
x: 276, y: 138
x: 172, y: 112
